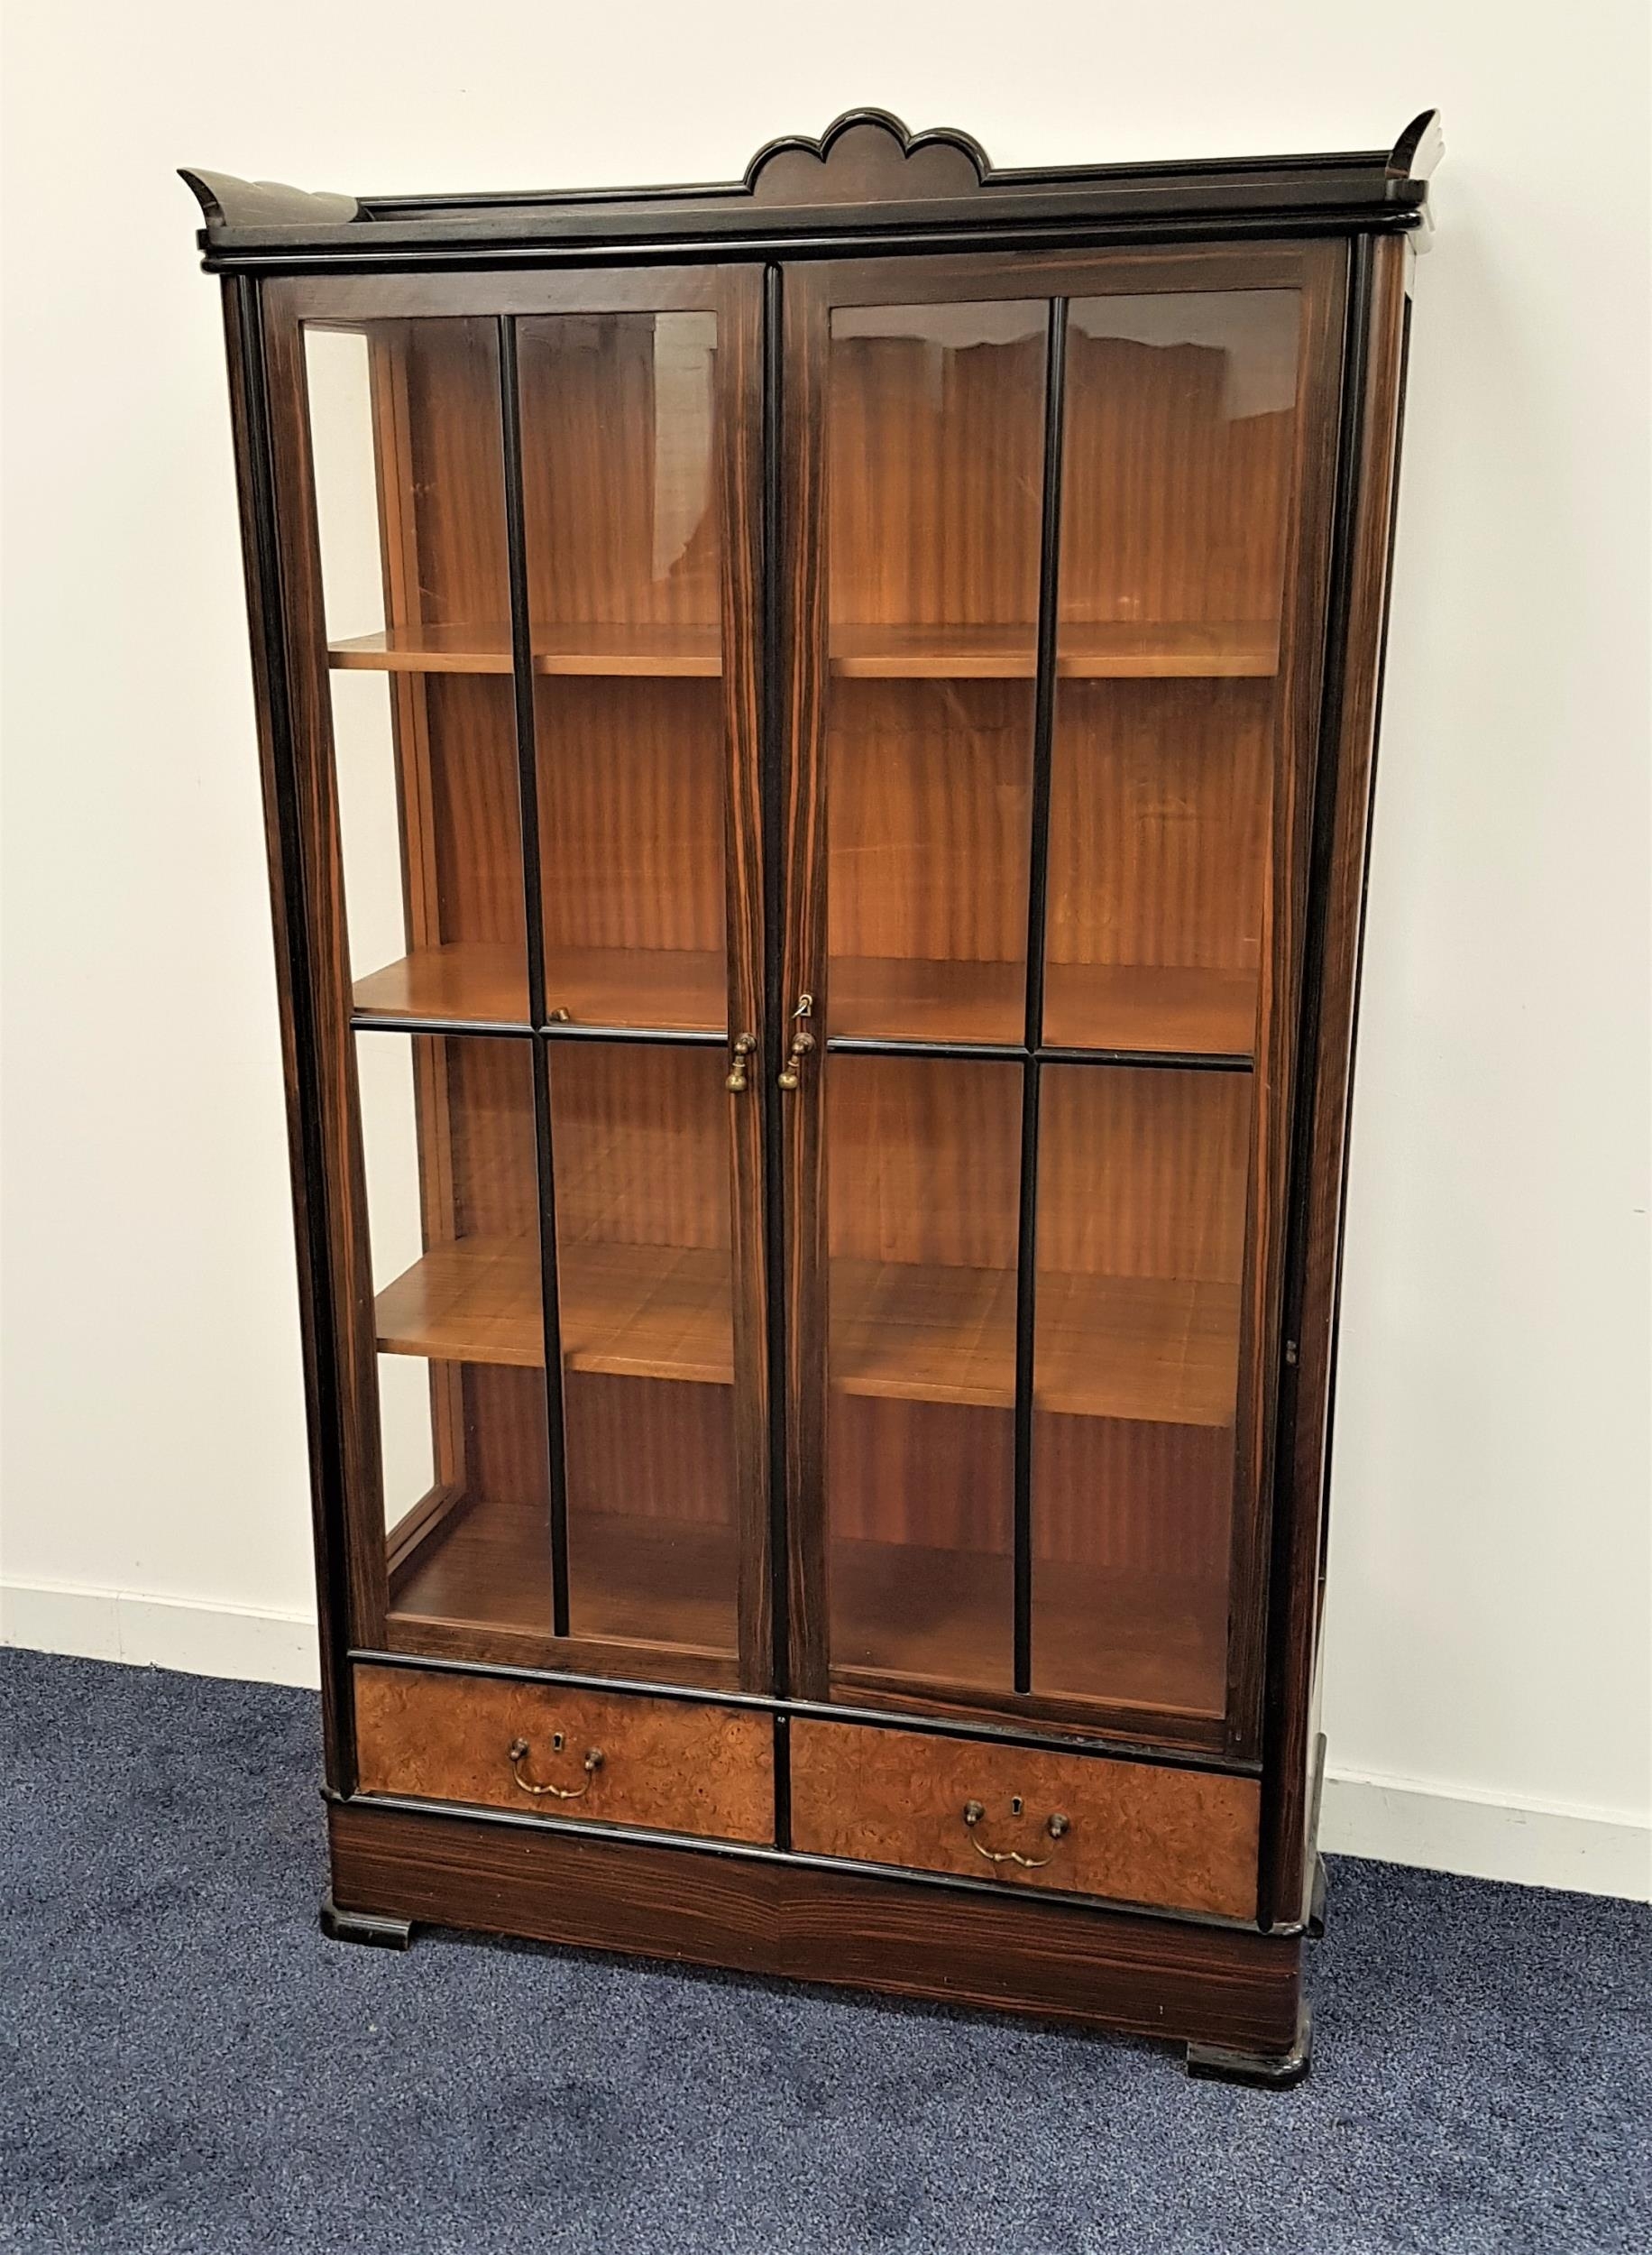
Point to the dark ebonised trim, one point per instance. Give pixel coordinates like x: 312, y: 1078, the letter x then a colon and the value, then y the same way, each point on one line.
x: 528, y: 784
x: 748, y: 1852
x: 1030, y: 1733
x: 1014, y: 1052
x: 1038, y: 888
x: 771, y: 561
x: 326, y: 1399
x: 886, y: 190
x: 376, y: 1022
x: 1321, y: 856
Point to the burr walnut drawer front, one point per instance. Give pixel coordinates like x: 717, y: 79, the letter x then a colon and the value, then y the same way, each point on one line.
x: 1131, y: 1831
x: 670, y: 1766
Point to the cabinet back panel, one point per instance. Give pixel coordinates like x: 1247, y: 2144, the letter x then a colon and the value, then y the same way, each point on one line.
x: 631, y: 782
x: 1177, y: 456
x: 1160, y: 805
x: 936, y: 452
x: 929, y: 795
x: 643, y: 1449
x: 924, y: 1160
x: 1143, y: 1174
x: 936, y: 1474
x: 473, y: 810
x: 618, y: 455
x: 452, y: 472
x: 490, y: 1132
x: 505, y: 1436
x: 641, y: 1145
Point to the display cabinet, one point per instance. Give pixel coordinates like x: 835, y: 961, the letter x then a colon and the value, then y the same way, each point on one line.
x: 817, y: 740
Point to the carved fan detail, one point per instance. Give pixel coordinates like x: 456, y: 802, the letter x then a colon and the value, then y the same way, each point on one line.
x: 867, y: 155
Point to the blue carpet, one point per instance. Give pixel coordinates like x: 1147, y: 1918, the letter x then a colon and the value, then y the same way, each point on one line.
x: 191, y: 2069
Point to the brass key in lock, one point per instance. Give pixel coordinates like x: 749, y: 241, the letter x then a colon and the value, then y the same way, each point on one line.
x: 803, y: 1042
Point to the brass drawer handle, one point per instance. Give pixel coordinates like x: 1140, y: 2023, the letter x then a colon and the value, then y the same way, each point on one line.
x: 520, y: 1751
x: 1057, y: 1826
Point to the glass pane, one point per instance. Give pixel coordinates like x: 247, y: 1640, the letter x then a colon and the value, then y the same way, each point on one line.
x: 447, y: 1138
x: 619, y: 416
x: 640, y: 1142
x: 1142, y: 1181
x: 410, y: 499
x: 934, y: 473
x: 923, y: 1174
x: 1177, y: 471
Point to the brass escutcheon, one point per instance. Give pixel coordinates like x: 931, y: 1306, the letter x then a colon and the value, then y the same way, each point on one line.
x: 518, y: 1752
x: 1056, y: 1824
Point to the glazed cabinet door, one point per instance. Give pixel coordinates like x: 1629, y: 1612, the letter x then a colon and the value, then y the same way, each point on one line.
x: 1056, y: 588
x: 517, y: 533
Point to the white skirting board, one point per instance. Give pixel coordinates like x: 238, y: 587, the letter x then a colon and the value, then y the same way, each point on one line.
x: 1394, y: 1820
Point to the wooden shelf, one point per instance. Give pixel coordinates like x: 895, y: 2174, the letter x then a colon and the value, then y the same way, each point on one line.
x: 1152, y: 1350
x: 669, y: 987
x: 905, y: 1616
x: 1086, y: 1005
x: 685, y: 650
x: 631, y: 1310
x: 425, y: 649
x: 1151, y: 1007
x: 1110, y: 652
x: 633, y: 1580
x: 473, y: 1300
x: 677, y: 988
x: 466, y: 980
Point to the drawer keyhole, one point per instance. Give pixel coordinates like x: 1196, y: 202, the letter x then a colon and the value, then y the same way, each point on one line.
x: 1016, y: 1805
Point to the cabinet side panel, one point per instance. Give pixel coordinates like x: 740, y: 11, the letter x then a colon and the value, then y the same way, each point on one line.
x: 1359, y: 610
x: 249, y: 420
x: 331, y: 1102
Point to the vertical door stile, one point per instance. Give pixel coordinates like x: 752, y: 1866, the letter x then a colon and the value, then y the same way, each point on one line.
x: 741, y: 455
x: 802, y: 571
x: 522, y: 679
x: 1044, y: 724
x: 342, y: 1186
x: 769, y: 623
x: 1329, y: 359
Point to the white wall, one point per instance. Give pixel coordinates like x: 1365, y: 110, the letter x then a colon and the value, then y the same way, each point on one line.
x: 1489, y: 1626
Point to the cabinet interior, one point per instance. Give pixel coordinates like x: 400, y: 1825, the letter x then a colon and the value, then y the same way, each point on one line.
x: 1157, y: 845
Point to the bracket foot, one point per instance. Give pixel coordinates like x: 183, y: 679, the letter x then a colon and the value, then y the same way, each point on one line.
x: 364, y: 1925
x: 1260, y: 2070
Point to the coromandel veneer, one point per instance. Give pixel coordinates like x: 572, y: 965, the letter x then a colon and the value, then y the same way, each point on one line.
x: 817, y: 738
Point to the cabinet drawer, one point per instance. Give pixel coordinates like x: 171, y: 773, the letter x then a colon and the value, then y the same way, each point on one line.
x: 1178, y: 1839
x: 674, y: 1765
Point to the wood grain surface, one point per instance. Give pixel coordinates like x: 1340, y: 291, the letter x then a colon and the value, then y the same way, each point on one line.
x: 669, y: 1764
x: 1181, y: 1839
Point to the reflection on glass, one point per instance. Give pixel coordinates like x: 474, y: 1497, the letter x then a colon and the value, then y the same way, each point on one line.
x: 935, y: 470
x: 641, y: 1138
x: 625, y: 589
x: 448, y: 1154
x: 925, y: 1159
x: 404, y: 421
x: 1142, y: 1183
x: 1177, y: 476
